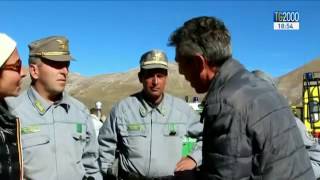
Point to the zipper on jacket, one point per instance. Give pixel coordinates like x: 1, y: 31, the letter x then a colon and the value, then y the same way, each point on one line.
x: 54, y: 138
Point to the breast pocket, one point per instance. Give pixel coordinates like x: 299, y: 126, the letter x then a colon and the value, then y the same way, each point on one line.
x: 78, y: 132
x: 34, y: 141
x: 80, y: 137
x: 78, y: 145
x: 35, y: 149
x: 175, y: 129
x: 133, y: 137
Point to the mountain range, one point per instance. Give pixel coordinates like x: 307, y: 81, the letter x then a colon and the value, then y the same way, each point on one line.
x: 110, y: 88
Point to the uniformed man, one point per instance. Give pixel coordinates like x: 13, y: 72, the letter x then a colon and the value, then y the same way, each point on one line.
x: 58, y: 138
x: 147, y: 129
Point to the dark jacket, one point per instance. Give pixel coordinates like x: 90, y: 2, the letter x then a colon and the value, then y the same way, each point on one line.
x: 249, y: 130
x: 10, y: 146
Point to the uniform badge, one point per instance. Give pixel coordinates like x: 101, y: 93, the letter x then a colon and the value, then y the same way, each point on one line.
x: 135, y: 127
x: 30, y: 129
x: 39, y: 106
x: 157, y: 57
x: 142, y: 112
x: 62, y: 45
x: 172, y: 127
x: 79, y: 128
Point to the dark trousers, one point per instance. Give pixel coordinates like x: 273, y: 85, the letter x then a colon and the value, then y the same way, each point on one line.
x: 186, y: 175
x: 179, y: 175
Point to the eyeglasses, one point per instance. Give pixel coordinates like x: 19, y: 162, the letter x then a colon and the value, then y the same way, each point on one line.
x: 13, y: 67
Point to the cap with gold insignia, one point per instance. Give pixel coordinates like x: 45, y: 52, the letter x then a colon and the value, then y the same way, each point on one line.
x: 55, y: 48
x: 154, y: 59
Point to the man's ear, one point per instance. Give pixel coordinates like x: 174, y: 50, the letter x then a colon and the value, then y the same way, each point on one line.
x: 34, y: 71
x: 200, y: 62
x: 204, y: 66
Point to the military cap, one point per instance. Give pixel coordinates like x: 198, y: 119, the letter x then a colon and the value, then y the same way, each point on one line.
x: 7, y: 46
x: 154, y: 59
x: 55, y: 48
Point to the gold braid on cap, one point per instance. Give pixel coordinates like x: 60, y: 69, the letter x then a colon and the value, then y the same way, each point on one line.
x: 52, y: 53
x: 155, y: 62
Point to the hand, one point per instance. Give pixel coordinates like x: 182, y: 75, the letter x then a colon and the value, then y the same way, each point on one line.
x: 185, y: 163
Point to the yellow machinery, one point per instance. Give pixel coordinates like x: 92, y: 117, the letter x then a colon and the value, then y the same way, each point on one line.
x: 310, y: 102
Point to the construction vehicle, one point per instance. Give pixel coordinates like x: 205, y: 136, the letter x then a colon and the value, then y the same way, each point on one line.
x: 310, y: 102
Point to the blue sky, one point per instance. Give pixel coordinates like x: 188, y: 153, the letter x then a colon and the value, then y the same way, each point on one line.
x: 110, y: 36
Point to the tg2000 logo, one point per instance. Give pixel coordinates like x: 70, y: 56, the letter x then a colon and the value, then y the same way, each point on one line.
x: 286, y: 20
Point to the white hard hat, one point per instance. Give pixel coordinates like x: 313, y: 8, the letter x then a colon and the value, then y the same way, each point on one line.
x: 7, y: 46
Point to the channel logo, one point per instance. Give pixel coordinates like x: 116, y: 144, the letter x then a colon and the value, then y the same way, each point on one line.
x: 286, y: 20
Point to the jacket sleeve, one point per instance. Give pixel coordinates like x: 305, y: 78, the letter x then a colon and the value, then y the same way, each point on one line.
x: 312, y: 146
x: 314, y: 154
x: 91, y: 153
x: 194, y: 130
x: 108, y: 142
x: 277, y: 142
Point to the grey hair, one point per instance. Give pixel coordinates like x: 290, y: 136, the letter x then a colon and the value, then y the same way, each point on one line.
x: 33, y: 60
x: 204, y: 35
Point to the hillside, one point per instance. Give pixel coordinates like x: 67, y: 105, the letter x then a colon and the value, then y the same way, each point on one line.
x: 290, y: 85
x: 110, y: 88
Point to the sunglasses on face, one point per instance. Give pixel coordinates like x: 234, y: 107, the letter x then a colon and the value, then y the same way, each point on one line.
x: 13, y: 67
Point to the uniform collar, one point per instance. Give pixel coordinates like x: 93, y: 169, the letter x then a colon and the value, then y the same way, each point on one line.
x: 41, y: 105
x: 146, y: 108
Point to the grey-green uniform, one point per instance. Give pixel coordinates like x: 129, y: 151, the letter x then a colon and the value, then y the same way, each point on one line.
x: 149, y: 139
x: 58, y: 140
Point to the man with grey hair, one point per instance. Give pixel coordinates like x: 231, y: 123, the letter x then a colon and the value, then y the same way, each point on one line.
x: 248, y: 129
x: 148, y: 127
x: 58, y: 138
